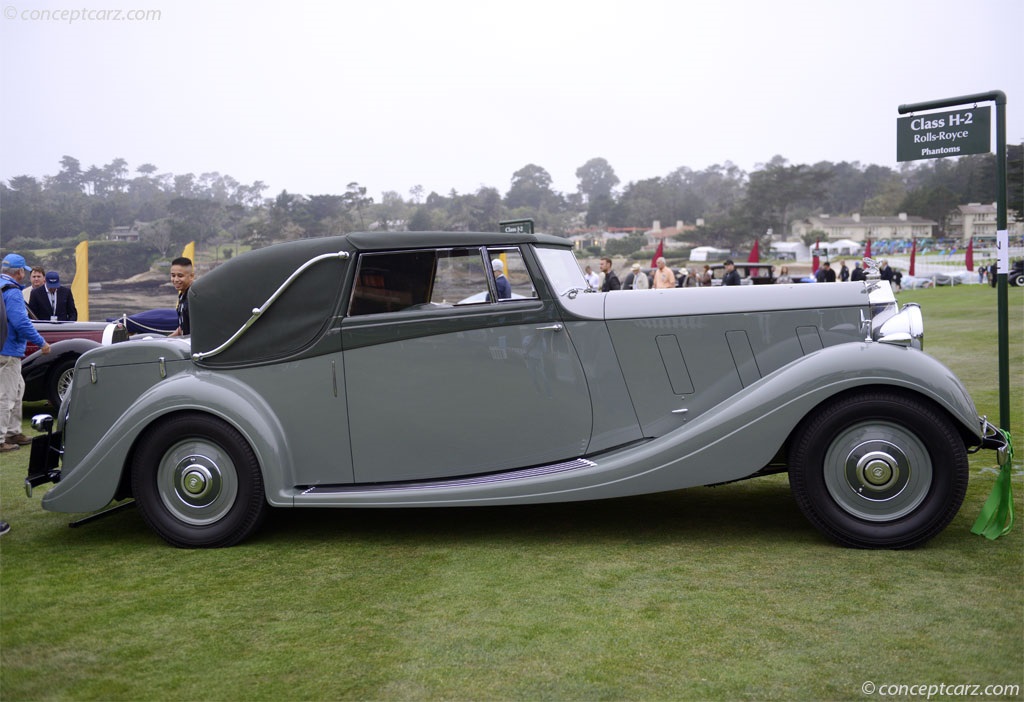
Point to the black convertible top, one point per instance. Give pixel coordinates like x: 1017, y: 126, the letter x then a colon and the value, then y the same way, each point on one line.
x: 378, y: 241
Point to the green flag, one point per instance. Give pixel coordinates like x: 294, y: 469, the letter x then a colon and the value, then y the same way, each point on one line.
x: 996, y: 518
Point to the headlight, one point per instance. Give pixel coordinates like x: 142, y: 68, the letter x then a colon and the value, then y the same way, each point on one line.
x: 905, y: 328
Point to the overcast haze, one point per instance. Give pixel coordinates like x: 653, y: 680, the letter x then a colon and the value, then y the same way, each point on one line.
x: 309, y: 96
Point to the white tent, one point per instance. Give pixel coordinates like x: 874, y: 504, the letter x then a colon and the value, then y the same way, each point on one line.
x: 790, y: 251
x: 842, y: 247
x: 708, y: 253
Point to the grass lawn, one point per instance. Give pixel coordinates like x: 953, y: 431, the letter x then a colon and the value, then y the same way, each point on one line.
x: 710, y: 593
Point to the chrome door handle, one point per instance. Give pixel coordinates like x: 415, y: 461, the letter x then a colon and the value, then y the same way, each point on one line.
x: 552, y: 327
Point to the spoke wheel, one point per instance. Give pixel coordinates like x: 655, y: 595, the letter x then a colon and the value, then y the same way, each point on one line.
x: 60, y: 382
x: 878, y: 470
x: 197, y: 482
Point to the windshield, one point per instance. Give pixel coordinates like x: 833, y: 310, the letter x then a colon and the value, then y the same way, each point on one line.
x: 562, y: 269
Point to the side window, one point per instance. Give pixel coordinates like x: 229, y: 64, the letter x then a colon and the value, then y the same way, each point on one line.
x: 404, y: 280
x: 460, y: 277
x: 390, y: 282
x: 514, y: 269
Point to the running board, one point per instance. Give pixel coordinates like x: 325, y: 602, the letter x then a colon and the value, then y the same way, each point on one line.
x: 470, y: 481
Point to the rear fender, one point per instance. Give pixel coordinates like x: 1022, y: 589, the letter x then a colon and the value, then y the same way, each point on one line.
x: 93, y: 482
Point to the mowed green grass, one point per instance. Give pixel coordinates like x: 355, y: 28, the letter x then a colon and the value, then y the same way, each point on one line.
x: 711, y: 593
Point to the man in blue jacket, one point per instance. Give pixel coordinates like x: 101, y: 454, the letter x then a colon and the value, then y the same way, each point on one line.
x: 19, y: 332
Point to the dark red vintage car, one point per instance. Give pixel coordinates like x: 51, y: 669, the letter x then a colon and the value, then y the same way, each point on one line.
x: 47, y: 377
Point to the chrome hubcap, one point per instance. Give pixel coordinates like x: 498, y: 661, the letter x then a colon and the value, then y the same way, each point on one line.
x: 878, y: 471
x: 197, y: 482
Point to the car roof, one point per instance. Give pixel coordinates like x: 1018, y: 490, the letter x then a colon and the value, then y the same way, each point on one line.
x: 378, y: 241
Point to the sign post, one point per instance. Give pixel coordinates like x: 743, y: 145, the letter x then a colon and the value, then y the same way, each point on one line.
x: 958, y: 133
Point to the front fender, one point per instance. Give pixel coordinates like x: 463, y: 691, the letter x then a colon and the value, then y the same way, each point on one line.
x: 742, y: 435
x: 734, y: 440
x: 92, y: 482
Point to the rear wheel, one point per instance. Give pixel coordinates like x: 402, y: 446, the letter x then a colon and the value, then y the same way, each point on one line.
x: 879, y: 469
x: 198, y: 483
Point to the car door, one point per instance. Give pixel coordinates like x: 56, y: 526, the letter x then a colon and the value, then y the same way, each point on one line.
x: 444, y: 379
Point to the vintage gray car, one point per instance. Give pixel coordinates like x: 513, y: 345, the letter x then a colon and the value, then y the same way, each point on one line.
x: 383, y: 370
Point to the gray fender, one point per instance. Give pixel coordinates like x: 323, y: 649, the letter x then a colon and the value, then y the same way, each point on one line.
x: 740, y: 436
x: 733, y: 441
x: 92, y: 483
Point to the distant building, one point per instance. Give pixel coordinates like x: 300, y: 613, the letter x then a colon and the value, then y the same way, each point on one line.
x: 973, y: 220
x: 858, y: 228
x: 596, y: 236
x: 656, y: 234
x: 123, y: 234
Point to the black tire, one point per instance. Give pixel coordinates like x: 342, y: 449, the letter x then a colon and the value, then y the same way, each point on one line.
x: 197, y: 482
x: 1017, y: 280
x: 878, y: 469
x: 59, y: 381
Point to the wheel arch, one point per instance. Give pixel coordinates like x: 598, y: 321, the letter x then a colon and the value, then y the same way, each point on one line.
x: 102, y: 474
x: 124, y: 487
x: 969, y: 437
x: 876, y: 366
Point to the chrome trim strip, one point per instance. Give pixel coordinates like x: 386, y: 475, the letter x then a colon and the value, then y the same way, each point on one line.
x: 258, y: 311
x: 574, y: 464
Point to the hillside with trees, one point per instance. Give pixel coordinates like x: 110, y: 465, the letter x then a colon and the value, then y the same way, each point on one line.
x: 215, y: 210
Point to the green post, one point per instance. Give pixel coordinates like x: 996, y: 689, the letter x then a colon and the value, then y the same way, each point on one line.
x: 1004, y: 265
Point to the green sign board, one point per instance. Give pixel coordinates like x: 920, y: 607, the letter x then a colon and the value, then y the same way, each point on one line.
x: 516, y: 226
x: 940, y: 134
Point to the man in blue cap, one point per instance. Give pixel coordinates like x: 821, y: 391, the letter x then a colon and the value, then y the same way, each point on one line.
x: 53, y: 301
x: 19, y: 331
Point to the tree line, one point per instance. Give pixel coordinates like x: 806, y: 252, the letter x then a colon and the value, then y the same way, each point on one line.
x: 170, y: 210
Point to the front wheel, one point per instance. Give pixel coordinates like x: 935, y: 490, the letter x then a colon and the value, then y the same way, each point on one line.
x: 879, y: 469
x: 197, y: 482
x: 60, y: 381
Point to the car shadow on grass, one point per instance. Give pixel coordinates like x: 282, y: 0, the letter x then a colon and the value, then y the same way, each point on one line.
x: 729, y: 513
x: 760, y: 509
